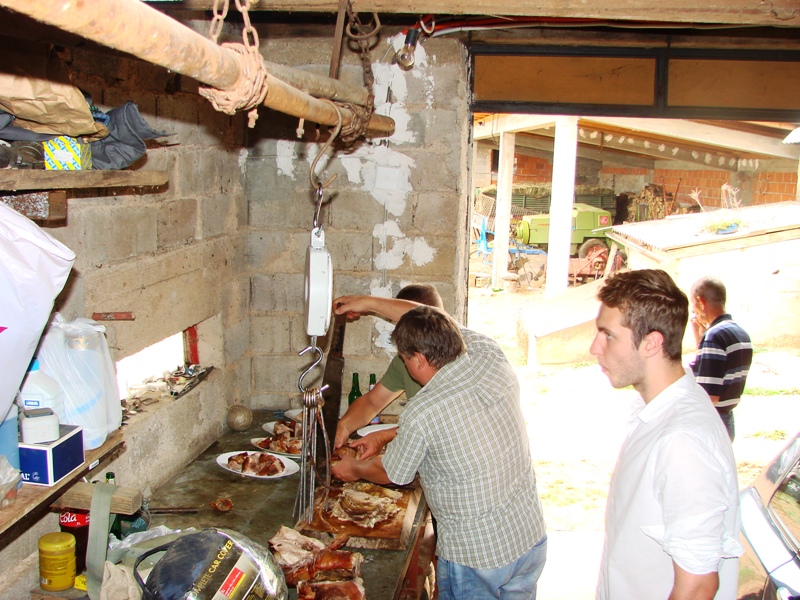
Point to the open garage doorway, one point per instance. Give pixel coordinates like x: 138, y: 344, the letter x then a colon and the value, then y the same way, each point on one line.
x: 638, y: 164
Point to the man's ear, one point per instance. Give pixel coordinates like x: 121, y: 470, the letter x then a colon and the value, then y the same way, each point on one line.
x: 422, y: 362
x: 652, y: 344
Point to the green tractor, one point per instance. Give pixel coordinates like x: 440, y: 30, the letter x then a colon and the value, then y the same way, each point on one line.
x: 534, y: 230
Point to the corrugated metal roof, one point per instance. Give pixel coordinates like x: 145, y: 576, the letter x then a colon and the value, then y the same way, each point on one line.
x: 680, y: 231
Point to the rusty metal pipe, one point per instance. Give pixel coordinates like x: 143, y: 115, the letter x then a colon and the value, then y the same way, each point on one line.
x: 135, y: 28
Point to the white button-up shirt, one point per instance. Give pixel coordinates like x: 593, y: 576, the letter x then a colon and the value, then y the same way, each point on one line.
x: 673, y: 496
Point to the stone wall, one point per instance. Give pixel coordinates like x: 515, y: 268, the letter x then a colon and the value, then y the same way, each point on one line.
x: 174, y: 256
x: 223, y: 244
x: 395, y: 213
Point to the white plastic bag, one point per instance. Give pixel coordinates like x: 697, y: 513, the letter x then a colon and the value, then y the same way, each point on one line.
x: 33, y: 270
x: 76, y: 355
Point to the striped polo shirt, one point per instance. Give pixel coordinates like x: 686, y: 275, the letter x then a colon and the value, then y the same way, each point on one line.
x: 723, y: 361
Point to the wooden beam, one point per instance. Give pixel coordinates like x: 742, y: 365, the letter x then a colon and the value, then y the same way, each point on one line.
x: 30, y: 179
x: 493, y: 126
x: 779, y: 13
x: 606, y: 155
x: 703, y: 133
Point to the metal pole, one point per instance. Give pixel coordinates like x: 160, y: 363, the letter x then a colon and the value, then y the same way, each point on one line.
x: 138, y: 29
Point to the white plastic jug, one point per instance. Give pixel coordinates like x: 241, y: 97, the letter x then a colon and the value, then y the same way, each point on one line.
x: 39, y: 390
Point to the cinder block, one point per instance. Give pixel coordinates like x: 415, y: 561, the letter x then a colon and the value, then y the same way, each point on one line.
x: 236, y: 339
x: 271, y: 334
x: 280, y: 291
x: 177, y: 222
x: 439, y: 212
x: 274, y: 251
x: 217, y: 215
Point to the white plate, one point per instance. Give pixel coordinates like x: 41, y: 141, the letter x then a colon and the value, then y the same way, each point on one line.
x: 289, y: 466
x: 255, y: 441
x: 296, y: 414
x: 269, y: 427
x: 373, y: 428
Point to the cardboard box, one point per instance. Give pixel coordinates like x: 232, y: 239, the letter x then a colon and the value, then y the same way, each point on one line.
x: 66, y: 153
x: 49, y: 462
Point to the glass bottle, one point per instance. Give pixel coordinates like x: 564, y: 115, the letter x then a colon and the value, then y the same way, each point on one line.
x: 355, y: 390
x: 372, y: 381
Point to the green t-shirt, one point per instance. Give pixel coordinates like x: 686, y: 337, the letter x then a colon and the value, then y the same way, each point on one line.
x: 397, y: 378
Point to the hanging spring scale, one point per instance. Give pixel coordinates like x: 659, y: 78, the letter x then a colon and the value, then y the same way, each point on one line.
x: 318, y: 297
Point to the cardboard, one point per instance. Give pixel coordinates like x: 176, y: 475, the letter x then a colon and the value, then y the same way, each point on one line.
x: 48, y: 463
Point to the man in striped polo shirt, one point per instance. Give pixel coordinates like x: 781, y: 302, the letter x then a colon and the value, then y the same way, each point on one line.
x: 724, y: 351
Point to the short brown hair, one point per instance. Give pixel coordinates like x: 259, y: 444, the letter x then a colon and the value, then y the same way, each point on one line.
x: 649, y: 300
x: 432, y: 333
x: 424, y: 293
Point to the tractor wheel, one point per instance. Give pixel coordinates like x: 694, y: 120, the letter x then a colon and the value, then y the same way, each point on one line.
x: 589, y: 245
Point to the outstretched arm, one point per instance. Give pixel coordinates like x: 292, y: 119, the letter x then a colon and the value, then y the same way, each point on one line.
x: 388, y: 308
x: 362, y: 410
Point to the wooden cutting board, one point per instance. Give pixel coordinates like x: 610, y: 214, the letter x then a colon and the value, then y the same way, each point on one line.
x: 391, y: 534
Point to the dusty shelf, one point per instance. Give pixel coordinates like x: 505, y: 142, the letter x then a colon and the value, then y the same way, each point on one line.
x: 33, y: 501
x: 29, y: 179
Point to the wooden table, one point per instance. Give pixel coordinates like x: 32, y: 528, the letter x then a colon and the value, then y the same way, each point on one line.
x: 260, y: 507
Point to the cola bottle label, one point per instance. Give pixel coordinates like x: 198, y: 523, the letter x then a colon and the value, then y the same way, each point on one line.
x: 73, y: 519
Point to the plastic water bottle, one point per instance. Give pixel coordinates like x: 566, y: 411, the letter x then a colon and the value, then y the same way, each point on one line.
x: 39, y: 390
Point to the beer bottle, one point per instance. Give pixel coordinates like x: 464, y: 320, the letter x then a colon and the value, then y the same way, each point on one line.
x: 355, y: 391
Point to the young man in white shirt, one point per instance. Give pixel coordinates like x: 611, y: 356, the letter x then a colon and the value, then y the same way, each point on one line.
x: 672, y: 523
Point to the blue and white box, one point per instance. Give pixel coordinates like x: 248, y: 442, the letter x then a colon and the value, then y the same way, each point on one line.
x: 49, y: 462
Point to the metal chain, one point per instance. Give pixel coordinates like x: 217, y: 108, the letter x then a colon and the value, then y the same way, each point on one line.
x: 363, y: 35
x: 249, y: 34
x: 220, y: 12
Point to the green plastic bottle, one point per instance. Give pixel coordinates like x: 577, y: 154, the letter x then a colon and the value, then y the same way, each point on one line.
x: 355, y: 391
x: 372, y: 381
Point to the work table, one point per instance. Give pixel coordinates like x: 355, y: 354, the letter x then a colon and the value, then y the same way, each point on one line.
x: 260, y: 507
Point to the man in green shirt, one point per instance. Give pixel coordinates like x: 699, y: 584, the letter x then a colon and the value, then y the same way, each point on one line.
x: 395, y: 381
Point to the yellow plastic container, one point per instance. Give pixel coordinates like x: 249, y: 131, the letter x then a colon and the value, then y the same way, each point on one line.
x: 57, y: 561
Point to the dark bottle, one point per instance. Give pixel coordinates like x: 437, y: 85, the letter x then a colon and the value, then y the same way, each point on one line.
x: 372, y: 381
x: 76, y: 522
x: 355, y: 391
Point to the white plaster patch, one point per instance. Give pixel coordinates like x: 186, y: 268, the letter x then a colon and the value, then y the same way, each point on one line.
x: 242, y: 160
x: 416, y: 250
x: 372, y: 163
x: 286, y: 157
x: 352, y: 165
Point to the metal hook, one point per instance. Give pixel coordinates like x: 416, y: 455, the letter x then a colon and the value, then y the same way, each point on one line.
x: 319, y: 206
x: 314, y: 182
x: 313, y: 365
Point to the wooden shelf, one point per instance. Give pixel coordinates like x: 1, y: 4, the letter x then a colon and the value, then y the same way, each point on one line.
x: 31, y: 179
x: 33, y: 500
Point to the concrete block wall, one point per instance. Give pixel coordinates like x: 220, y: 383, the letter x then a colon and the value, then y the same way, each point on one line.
x: 175, y: 256
x: 395, y: 214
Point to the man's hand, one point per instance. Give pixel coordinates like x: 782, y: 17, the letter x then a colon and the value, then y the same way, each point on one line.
x: 345, y: 469
x: 342, y: 435
x: 698, y: 328
x: 353, y: 469
x: 351, y: 306
x: 371, y: 444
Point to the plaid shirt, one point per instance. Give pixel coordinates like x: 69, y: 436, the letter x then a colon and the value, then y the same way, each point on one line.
x: 465, y: 435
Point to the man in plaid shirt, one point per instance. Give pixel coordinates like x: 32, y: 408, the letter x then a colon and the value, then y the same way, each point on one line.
x: 465, y: 435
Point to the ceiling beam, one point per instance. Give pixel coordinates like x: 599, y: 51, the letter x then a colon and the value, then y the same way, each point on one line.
x: 706, y: 134
x: 778, y: 13
x: 492, y: 126
x: 545, y: 146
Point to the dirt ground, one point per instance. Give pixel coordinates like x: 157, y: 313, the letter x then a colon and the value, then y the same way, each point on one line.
x: 576, y: 422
